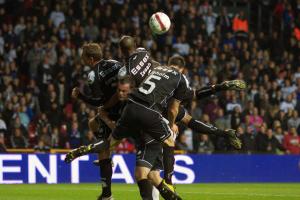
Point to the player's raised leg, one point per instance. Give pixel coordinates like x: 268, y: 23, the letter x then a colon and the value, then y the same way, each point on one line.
x: 203, y: 128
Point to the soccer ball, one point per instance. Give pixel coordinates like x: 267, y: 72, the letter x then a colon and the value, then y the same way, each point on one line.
x: 159, y: 23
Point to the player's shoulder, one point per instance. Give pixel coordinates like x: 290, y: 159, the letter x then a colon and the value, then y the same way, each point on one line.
x: 111, y: 62
x: 139, y: 53
x: 122, y: 72
x: 91, y: 77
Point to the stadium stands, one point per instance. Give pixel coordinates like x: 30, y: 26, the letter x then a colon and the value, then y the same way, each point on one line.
x: 40, y: 63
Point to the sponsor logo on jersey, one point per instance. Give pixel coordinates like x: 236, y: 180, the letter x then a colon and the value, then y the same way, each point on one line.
x: 141, y: 64
x: 164, y: 75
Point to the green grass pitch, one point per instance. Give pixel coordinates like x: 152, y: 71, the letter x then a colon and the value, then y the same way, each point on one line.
x: 130, y: 192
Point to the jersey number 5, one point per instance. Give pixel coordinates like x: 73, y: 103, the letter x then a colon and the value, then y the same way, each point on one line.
x: 149, y: 82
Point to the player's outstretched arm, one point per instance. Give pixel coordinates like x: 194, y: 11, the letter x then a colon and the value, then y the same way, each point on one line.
x: 226, y: 85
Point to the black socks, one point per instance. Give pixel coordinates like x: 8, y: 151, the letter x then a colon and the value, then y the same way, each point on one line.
x: 203, y: 128
x: 168, y: 162
x: 106, y: 174
x: 145, y: 189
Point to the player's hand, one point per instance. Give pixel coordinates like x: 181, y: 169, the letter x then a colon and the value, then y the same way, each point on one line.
x: 75, y: 93
x: 101, y: 111
x: 174, y: 128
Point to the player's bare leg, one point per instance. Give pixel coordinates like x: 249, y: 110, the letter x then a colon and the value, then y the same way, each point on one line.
x: 169, y: 160
x: 143, y: 176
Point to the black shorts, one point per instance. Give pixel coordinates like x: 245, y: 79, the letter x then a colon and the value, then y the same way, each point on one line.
x: 137, y: 118
x: 150, y: 156
x: 114, y: 114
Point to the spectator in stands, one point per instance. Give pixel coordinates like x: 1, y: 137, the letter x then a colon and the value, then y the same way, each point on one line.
x: 288, y: 88
x: 248, y: 139
x: 3, y: 126
x: 287, y: 103
x: 205, y: 145
x: 232, y: 104
x: 236, y: 117
x: 224, y: 21
x: 181, y: 143
x: 45, y: 136
x: 42, y: 123
x: 41, y: 147
x: 126, y: 146
x: 91, y: 30
x: 2, y: 144
x: 291, y: 142
x: 57, y: 16
x: 281, y: 116
x: 16, y: 123
x: 279, y: 134
x: 240, y: 25
x: 210, y: 21
x: 55, y: 137
x: 75, y: 136
x: 23, y: 116
x: 18, y: 140
x: 273, y: 146
x: 256, y: 119
x: 195, y: 110
x: 212, y: 108
x: 294, y: 121
x: 222, y: 122
x: 260, y: 139
x: 64, y: 137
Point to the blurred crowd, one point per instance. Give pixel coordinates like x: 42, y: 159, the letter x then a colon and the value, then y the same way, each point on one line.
x: 40, y: 64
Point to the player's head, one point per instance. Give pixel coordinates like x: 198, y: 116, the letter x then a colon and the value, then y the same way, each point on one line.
x: 125, y: 85
x: 177, y: 61
x: 91, y: 54
x: 127, y: 45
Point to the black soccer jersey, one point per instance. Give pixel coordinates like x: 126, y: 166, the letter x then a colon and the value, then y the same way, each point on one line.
x: 138, y: 65
x: 161, y: 84
x: 102, y: 81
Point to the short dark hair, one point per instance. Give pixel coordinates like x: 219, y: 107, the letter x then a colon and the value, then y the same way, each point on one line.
x: 127, y: 79
x: 177, y: 61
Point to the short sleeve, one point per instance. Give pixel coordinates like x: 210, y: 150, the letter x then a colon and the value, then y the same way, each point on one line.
x: 122, y: 72
x: 183, y: 91
x: 91, y: 77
